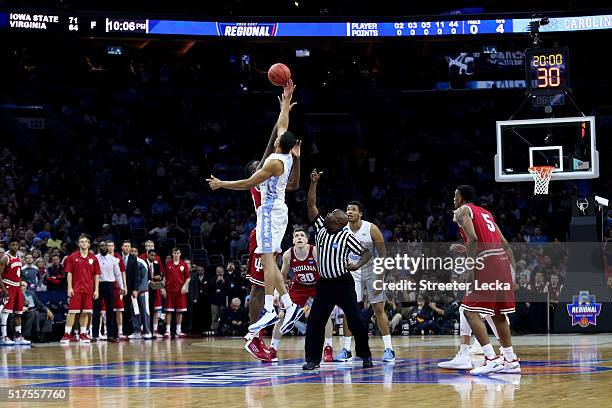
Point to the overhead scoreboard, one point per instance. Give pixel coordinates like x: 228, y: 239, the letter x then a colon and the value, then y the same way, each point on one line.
x: 91, y: 24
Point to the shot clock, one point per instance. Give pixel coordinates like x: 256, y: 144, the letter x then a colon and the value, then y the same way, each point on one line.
x: 547, y: 70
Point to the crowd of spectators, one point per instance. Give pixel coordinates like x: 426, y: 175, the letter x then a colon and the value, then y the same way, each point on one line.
x: 129, y: 141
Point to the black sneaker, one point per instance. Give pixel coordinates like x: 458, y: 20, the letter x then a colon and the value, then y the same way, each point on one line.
x: 367, y: 362
x: 312, y: 366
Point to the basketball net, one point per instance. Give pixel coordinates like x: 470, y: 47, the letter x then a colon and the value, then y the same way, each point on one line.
x: 541, y: 176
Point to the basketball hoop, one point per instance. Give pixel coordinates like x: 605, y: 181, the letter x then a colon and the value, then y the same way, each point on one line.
x: 541, y: 176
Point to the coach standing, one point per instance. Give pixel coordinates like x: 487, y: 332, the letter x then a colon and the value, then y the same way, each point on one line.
x: 109, y: 274
x: 336, y: 286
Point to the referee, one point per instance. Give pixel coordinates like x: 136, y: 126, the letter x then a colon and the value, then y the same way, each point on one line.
x: 336, y: 286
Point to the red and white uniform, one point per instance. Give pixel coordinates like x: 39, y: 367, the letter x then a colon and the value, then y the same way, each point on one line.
x: 176, y: 275
x: 305, y: 277
x: 496, y: 267
x: 83, y: 270
x: 255, y: 271
x: 12, y: 278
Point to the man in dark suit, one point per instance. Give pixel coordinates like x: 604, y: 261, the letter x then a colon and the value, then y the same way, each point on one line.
x: 154, y: 268
x: 199, y: 293
x: 131, y: 276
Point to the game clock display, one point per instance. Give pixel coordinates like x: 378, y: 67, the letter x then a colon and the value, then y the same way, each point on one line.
x: 547, y: 70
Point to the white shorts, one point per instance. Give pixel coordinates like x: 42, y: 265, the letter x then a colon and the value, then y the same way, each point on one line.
x: 364, y: 280
x: 270, y: 229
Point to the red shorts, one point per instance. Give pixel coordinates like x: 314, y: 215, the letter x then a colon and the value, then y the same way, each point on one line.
x: 300, y: 294
x: 15, y: 301
x: 81, y: 303
x: 493, y: 290
x: 255, y: 272
x: 176, y: 302
x: 157, y: 302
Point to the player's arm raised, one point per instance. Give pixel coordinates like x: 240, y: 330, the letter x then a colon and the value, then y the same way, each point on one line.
x: 507, y: 247
x: 271, y: 168
x: 311, y: 201
x: 465, y: 221
x: 286, y: 261
x: 379, y: 241
x: 286, y: 99
x: 294, y: 180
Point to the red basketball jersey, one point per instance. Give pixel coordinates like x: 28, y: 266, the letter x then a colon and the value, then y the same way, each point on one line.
x: 305, y: 272
x: 176, y: 275
x: 484, y: 226
x: 256, y: 196
x: 12, y: 271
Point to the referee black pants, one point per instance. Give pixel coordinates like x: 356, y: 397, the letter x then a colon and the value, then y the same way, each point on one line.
x: 106, y: 292
x: 331, y: 292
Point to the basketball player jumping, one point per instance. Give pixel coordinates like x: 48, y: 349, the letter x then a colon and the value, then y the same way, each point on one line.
x: 301, y: 261
x: 484, y: 240
x: 255, y: 343
x: 370, y: 236
x: 272, y: 216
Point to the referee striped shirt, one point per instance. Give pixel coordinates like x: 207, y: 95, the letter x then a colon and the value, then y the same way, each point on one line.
x: 333, y: 249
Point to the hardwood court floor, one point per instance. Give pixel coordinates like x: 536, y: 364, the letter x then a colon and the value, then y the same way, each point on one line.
x: 558, y: 371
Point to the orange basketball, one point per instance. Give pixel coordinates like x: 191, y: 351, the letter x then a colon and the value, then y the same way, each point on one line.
x: 279, y: 74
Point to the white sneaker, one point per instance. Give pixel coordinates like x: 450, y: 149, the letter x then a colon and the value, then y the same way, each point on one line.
x: 462, y: 361
x: 511, y: 367
x: 147, y: 336
x: 475, y: 349
x: 134, y: 336
x: 267, y: 319
x: 20, y: 341
x: 103, y: 337
x: 292, y: 314
x: 6, y: 341
x: 493, y: 365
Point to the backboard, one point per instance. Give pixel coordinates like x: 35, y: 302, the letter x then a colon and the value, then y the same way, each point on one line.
x: 568, y: 144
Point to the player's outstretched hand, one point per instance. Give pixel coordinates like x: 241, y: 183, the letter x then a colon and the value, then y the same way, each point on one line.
x: 297, y: 149
x: 288, y: 89
x: 315, y: 176
x: 282, y: 99
x: 214, y: 182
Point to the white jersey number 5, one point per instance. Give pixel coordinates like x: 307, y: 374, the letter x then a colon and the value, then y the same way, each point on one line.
x: 490, y: 224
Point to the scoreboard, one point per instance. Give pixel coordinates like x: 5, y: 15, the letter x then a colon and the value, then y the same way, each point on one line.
x: 89, y: 24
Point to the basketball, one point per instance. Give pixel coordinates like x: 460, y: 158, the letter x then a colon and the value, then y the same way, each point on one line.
x: 279, y: 74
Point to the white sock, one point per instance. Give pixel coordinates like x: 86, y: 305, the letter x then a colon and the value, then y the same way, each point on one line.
x: 155, y: 326
x: 83, y: 330
x: 4, y: 319
x: 463, y: 349
x: 508, y: 353
x: 347, y: 342
x: 178, y: 329
x: 387, y: 341
x: 287, y: 302
x: 476, y: 343
x: 269, y: 303
x: 120, y: 328
x: 275, y: 343
x: 18, y: 329
x: 67, y: 329
x: 328, y: 342
x: 488, y: 351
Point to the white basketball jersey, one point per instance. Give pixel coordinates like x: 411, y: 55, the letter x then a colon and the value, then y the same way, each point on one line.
x: 363, y: 235
x: 273, y: 189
